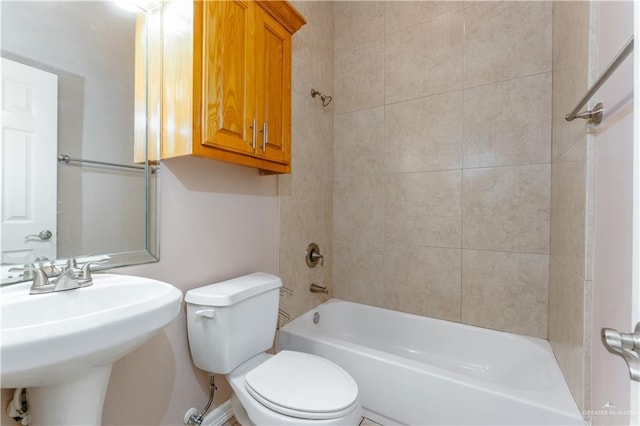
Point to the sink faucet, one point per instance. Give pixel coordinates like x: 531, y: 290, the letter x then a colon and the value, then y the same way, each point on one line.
x: 67, y: 280
x: 72, y: 276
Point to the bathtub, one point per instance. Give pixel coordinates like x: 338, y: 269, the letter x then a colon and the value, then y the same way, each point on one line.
x: 416, y: 370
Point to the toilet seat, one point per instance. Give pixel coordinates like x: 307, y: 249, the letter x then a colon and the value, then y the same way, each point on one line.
x: 302, y: 385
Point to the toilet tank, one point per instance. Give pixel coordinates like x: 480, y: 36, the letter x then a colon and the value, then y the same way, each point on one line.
x: 231, y: 321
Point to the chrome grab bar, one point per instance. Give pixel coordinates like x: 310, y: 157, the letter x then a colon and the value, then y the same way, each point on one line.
x: 597, y: 112
x: 64, y: 158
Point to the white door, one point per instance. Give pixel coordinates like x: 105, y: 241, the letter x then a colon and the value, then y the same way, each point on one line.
x: 29, y: 162
x: 614, y: 397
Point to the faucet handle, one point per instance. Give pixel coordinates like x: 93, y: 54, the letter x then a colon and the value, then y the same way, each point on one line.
x: 28, y: 271
x: 72, y: 263
x: 85, y: 277
x: 313, y: 255
x: 51, y: 270
x: 40, y: 281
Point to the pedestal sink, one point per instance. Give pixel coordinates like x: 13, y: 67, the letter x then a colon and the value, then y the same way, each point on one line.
x: 61, y: 345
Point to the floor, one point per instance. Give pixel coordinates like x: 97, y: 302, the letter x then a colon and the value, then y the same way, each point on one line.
x: 365, y: 422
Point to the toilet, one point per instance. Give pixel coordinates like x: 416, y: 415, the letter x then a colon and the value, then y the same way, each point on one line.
x: 231, y: 325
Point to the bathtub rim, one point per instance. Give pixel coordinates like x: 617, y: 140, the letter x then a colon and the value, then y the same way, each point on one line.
x: 525, y: 396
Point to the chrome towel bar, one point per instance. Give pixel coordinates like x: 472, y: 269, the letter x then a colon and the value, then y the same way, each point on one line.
x: 64, y: 158
x: 597, y: 112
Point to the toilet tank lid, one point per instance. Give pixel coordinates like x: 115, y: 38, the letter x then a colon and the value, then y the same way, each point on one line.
x: 232, y: 291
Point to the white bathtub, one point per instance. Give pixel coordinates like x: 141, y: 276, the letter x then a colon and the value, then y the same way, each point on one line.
x: 422, y: 371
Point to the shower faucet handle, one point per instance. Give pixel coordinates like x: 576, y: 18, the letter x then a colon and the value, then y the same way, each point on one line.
x: 313, y: 256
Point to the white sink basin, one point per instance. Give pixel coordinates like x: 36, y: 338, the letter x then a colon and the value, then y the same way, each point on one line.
x: 59, y: 337
x: 51, y: 337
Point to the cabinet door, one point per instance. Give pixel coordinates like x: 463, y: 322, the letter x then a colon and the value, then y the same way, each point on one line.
x: 227, y: 51
x: 273, y: 95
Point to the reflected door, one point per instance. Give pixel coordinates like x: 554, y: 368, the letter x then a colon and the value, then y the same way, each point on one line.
x: 29, y: 162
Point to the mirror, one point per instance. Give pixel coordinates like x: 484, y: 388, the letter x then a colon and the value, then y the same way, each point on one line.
x: 77, y: 136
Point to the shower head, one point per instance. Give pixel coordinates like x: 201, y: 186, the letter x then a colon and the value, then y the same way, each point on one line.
x: 326, y: 100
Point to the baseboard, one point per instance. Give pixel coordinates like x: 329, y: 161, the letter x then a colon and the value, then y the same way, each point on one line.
x: 219, y: 416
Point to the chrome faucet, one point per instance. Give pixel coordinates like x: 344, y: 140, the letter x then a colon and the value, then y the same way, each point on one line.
x: 70, y: 277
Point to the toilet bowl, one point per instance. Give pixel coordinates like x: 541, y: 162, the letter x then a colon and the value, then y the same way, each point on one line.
x: 295, y: 388
x: 230, y: 326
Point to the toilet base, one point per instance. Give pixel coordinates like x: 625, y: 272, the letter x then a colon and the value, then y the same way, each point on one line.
x: 239, y: 412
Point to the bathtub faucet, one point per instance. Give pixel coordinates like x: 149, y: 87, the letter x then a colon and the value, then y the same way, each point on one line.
x: 315, y: 288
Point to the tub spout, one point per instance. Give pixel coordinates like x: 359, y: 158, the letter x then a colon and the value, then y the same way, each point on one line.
x: 315, y: 288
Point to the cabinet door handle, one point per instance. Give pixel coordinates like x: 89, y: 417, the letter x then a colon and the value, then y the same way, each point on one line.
x: 253, y: 132
x: 265, y: 136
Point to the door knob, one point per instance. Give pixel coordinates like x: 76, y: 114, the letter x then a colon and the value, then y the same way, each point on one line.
x: 42, y: 235
x: 626, y: 345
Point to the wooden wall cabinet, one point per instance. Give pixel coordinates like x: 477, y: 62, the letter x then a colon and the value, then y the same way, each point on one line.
x: 226, y: 84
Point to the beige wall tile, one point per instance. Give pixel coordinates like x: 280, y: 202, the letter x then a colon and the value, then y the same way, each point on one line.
x: 424, y: 134
x: 568, y: 294
x: 358, y: 274
x: 505, y: 291
x: 358, y: 204
x: 505, y: 40
x: 570, y: 34
x: 508, y: 123
x: 425, y: 59
x: 359, y: 142
x: 423, y: 281
x: 404, y: 14
x: 319, y: 27
x: 423, y: 209
x: 357, y: 22
x: 507, y: 208
x: 297, y: 276
x: 568, y: 209
x: 359, y: 77
x: 431, y: 202
x: 302, y: 213
x: 304, y: 210
x: 566, y: 326
x: 569, y: 85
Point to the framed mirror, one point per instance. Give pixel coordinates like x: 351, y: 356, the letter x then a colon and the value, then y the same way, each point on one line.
x: 79, y: 133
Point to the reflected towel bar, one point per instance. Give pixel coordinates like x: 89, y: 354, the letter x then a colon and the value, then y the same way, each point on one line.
x: 64, y: 158
x: 597, y: 112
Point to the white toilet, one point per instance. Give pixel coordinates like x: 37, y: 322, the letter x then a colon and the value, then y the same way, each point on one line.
x: 231, y: 324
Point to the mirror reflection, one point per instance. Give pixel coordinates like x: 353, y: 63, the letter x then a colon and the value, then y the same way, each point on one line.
x: 73, y: 108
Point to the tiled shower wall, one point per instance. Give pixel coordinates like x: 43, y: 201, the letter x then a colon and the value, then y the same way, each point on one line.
x: 442, y: 151
x: 571, y: 195
x: 305, y: 195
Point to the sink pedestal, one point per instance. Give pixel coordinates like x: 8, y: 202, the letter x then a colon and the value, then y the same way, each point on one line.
x: 77, y: 402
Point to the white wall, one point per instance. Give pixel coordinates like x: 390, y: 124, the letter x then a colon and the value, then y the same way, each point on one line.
x: 217, y: 221
x: 613, y: 210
